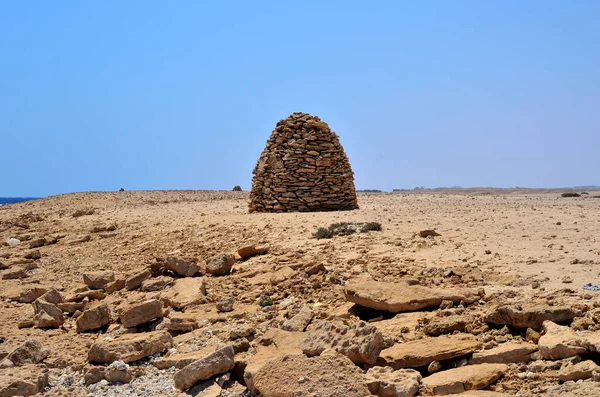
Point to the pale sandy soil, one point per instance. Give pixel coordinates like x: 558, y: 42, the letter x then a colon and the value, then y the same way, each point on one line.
x: 526, y: 243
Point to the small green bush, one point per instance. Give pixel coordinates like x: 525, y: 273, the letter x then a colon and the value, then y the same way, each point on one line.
x: 346, y: 229
x: 322, y: 232
x: 371, y: 226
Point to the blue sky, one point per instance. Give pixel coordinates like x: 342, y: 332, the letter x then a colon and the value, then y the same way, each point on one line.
x: 183, y: 95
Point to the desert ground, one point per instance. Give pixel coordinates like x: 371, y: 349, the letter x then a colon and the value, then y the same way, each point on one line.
x: 128, y: 293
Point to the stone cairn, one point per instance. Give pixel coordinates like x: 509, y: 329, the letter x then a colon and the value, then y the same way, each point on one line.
x: 302, y: 168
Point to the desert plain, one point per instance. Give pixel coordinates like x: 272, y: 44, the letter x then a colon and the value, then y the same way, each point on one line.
x: 180, y: 293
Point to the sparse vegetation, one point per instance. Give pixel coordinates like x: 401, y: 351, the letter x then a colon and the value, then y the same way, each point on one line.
x: 346, y: 229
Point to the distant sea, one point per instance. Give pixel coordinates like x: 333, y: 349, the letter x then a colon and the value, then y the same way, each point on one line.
x: 13, y: 200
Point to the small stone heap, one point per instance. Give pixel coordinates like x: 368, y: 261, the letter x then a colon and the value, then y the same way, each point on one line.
x: 303, y: 168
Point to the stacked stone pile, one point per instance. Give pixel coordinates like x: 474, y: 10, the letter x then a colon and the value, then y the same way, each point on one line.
x: 303, y: 168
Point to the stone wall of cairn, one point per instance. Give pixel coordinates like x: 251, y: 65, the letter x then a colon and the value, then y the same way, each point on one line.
x: 302, y: 168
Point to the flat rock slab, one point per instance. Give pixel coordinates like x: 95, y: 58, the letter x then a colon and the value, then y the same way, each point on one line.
x: 182, y: 360
x: 215, y: 363
x: 185, y: 292
x: 530, y: 316
x: 560, y: 342
x: 478, y: 393
x: 582, y: 370
x: 130, y: 347
x: 27, y: 380
x: 331, y: 375
x: 134, y: 314
x: 421, y: 352
x: 459, y: 380
x: 385, y: 382
x: 511, y: 352
x: 401, y: 297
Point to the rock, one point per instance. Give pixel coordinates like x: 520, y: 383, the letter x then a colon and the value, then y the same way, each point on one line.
x: 156, y: 284
x: 27, y: 380
x: 428, y: 233
x: 434, y: 367
x: 130, y: 347
x: 13, y: 241
x: 136, y: 280
x: 264, y: 301
x: 185, y: 292
x: 13, y: 274
x: 530, y: 316
x: 92, y: 294
x: 249, y: 251
x: 220, y: 265
x: 71, y: 307
x: 215, y: 363
x: 33, y: 255
x: 478, y: 393
x: 385, y: 382
x: 458, y: 380
x: 37, y: 243
x: 115, y: 286
x: 181, y: 267
x: 532, y: 336
x: 297, y: 375
x: 506, y: 353
x: 444, y: 325
x: 47, y: 315
x: 181, y: 360
x: 300, y: 321
x: 98, y: 280
x: 401, y: 297
x: 30, y: 294
x: 180, y: 322
x: 422, y: 352
x: 302, y: 168
x: 560, y: 342
x: 225, y: 305
x: 358, y: 341
x: 29, y: 352
x: 582, y: 370
x: 134, y: 314
x: 118, y: 372
x: 52, y: 296
x: 582, y: 323
x: 281, y: 275
x: 94, y: 318
x: 93, y: 374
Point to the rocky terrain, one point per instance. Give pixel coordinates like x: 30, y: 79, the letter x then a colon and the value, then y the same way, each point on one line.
x: 186, y: 293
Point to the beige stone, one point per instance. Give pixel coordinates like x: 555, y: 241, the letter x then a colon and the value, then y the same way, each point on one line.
x: 27, y: 380
x: 249, y: 251
x: 130, y: 347
x: 300, y: 321
x: 560, y: 342
x: 422, y: 352
x: 181, y: 360
x: 93, y: 318
x: 530, y: 316
x: 185, y: 292
x: 182, y: 267
x: 29, y: 352
x: 511, y: 352
x: 385, y: 382
x: 220, y: 265
x: 458, y: 380
x: 134, y: 314
x: 582, y: 370
x: 136, y: 280
x: 217, y: 362
x: 98, y: 280
x: 401, y: 297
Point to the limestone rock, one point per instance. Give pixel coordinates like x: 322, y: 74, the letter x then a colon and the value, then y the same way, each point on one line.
x: 130, y: 347
x: 220, y: 265
x: 134, y: 314
x: 422, y: 352
x: 560, y: 342
x: 137, y: 279
x: 302, y: 168
x: 401, y: 297
x: 444, y: 325
x: 225, y: 305
x: 93, y: 318
x: 52, y: 296
x: 582, y: 370
x: 27, y: 380
x: 30, y: 294
x: 332, y: 375
x: 511, y: 352
x: 300, y: 321
x: 118, y: 372
x: 249, y: 251
x: 115, y: 286
x: 98, y: 280
x: 181, y: 267
x: 29, y: 352
x: 358, y: 341
x: 385, y: 382
x: 458, y: 380
x: 156, y: 284
x: 185, y: 292
x: 181, y: 360
x: 530, y: 316
x: 215, y: 363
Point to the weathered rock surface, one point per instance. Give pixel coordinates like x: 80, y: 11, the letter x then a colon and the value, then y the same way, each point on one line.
x: 94, y: 318
x: 358, y: 341
x: 98, y: 280
x: 181, y: 267
x: 302, y: 168
x: 560, y: 342
x: 249, y: 251
x: 385, y: 382
x: 458, y: 380
x: 424, y: 351
x: 27, y: 380
x: 297, y: 375
x: 130, y: 347
x: 156, y: 284
x: 136, y: 280
x: 582, y: 370
x: 444, y: 325
x: 530, y: 316
x: 134, y: 314
x: 300, y: 321
x: 185, y: 292
x: 181, y: 360
x: 511, y: 352
x: 212, y: 364
x: 47, y: 315
x: 401, y: 297
x: 29, y: 352
x: 220, y: 265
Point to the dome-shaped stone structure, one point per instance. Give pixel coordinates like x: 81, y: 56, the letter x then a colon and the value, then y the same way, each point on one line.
x: 302, y: 168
